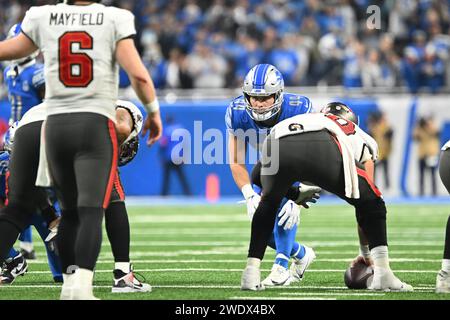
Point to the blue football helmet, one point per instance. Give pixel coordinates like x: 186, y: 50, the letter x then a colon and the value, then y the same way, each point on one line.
x: 4, y: 162
x: 263, y: 80
x: 8, y: 138
x: 13, y: 32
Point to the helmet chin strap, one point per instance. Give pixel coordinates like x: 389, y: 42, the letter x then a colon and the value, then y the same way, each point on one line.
x: 269, y: 123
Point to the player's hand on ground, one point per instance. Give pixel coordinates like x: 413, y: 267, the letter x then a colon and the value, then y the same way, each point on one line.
x: 307, y: 195
x: 252, y: 204
x: 360, y: 259
x: 154, y: 124
x: 289, y: 215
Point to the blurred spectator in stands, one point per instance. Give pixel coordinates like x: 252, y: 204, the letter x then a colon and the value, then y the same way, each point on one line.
x: 171, y: 162
x: 414, y: 55
x: 353, y: 64
x: 206, y: 68
x: 382, y: 132
x: 442, y: 44
x: 321, y: 29
x: 426, y: 134
x: 433, y: 69
x: 285, y: 59
x: 331, y: 49
x: 177, y: 75
x: 376, y: 73
x: 402, y: 13
x: 348, y: 17
x: 251, y: 56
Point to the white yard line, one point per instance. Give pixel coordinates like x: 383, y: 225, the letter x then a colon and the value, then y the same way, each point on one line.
x: 232, y: 270
x: 242, y: 261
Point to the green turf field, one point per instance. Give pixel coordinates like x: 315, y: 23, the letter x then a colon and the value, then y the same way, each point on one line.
x: 199, y: 253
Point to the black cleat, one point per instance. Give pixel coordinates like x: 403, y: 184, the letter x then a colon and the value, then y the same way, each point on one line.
x: 12, y: 268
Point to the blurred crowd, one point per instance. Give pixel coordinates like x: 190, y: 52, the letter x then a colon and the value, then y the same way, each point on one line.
x: 212, y: 44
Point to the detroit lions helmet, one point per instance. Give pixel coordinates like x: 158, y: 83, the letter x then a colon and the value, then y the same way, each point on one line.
x: 13, y: 32
x: 263, y: 80
x: 136, y: 115
x: 342, y: 111
x: 8, y: 138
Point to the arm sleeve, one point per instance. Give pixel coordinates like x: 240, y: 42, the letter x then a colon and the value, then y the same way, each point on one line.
x: 124, y: 24
x: 30, y: 25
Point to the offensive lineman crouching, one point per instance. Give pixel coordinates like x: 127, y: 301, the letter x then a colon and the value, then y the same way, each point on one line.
x: 319, y: 148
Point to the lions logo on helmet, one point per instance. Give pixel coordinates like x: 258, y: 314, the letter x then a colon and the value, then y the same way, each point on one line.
x: 14, y: 32
x: 342, y: 111
x: 8, y: 138
x: 136, y: 115
x: 263, y: 80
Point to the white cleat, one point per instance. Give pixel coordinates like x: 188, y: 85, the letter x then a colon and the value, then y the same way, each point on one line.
x: 385, y: 280
x: 128, y: 283
x: 279, y: 276
x: 443, y: 282
x: 299, y: 266
x: 251, y: 279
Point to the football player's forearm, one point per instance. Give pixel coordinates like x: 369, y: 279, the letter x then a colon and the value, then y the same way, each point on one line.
x: 17, y: 47
x: 240, y: 174
x: 140, y: 79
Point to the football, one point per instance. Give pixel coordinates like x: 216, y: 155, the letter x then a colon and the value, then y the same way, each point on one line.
x: 359, y: 276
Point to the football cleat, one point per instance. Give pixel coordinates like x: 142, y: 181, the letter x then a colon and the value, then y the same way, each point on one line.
x: 29, y: 255
x: 385, y: 280
x: 299, y: 266
x: 13, y: 268
x: 443, y: 282
x: 279, y: 276
x: 127, y: 282
x: 251, y: 279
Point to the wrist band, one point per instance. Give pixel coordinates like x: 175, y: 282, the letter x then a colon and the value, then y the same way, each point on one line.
x: 152, y: 106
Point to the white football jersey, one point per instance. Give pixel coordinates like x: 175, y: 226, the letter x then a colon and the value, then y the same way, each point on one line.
x: 37, y: 113
x: 78, y: 43
x: 364, y: 147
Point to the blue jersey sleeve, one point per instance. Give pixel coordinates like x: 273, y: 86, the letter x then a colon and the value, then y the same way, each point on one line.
x: 38, y: 79
x: 229, y: 118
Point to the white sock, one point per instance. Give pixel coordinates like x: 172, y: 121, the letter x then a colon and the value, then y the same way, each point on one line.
x: 27, y: 246
x: 83, y: 278
x: 254, y: 262
x: 125, y: 267
x: 380, y: 256
x: 446, y: 265
x: 68, y: 280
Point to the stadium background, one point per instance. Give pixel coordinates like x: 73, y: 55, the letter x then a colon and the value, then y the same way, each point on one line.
x: 197, y: 53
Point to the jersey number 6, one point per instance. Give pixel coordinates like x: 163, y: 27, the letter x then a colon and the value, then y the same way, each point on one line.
x: 76, y: 69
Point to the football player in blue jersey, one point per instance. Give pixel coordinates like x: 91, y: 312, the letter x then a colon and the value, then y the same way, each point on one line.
x: 24, y: 79
x: 249, y: 119
x: 15, y: 264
